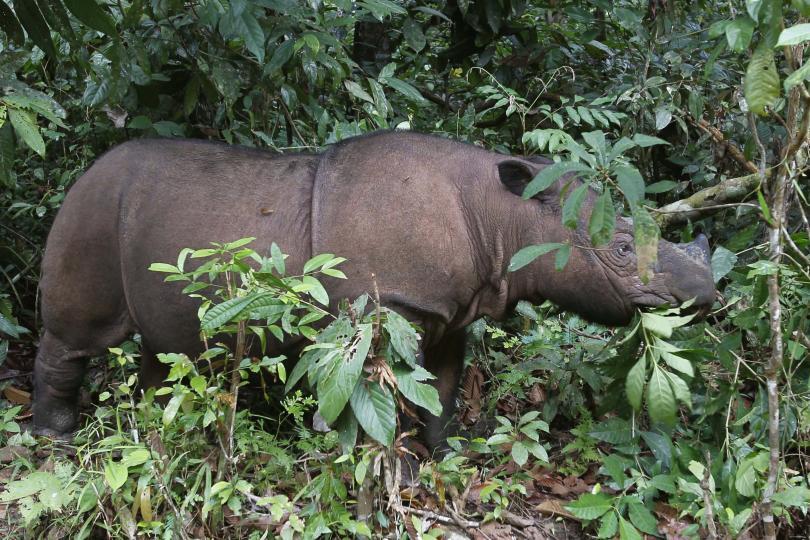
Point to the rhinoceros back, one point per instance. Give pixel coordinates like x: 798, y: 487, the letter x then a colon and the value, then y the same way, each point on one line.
x: 142, y: 203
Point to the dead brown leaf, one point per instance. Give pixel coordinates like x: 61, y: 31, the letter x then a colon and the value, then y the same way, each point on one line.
x: 554, y: 507
x: 17, y: 396
x: 471, y: 392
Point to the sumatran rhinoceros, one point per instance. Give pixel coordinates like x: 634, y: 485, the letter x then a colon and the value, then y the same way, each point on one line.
x: 436, y: 221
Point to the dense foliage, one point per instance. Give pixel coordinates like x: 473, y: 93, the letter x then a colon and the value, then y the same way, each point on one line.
x: 689, y: 116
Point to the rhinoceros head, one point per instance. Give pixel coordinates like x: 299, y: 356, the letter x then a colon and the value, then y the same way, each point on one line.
x: 602, y: 283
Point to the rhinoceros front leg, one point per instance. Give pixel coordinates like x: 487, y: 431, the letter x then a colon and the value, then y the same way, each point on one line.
x: 58, y: 374
x: 445, y: 360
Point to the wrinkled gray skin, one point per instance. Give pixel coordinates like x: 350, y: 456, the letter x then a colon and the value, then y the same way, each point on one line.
x: 435, y: 220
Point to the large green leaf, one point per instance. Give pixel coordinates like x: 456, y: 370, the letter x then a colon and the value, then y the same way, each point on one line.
x: 549, y: 175
x: 590, y: 506
x: 93, y: 15
x: 634, y: 384
x: 530, y: 253
x: 761, y: 84
x: 573, y: 206
x: 660, y: 398
x: 794, y: 35
x: 375, y: 410
x: 26, y: 128
x: 235, y: 309
x: 410, y: 384
x: 630, y: 182
x: 31, y: 18
x: 281, y: 56
x: 646, y: 239
x: 340, y: 377
x: 739, y: 32
x: 603, y: 219
x: 404, y: 88
x: 6, y: 155
x: 404, y: 338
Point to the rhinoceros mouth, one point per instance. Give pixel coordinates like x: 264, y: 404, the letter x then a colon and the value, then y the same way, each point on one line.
x: 651, y: 299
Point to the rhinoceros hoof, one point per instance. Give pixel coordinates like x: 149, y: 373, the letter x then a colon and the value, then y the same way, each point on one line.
x: 60, y: 436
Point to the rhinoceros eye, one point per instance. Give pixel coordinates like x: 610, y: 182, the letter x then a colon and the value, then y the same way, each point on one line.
x: 624, y: 249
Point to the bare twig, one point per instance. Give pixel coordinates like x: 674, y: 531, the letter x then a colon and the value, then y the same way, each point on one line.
x: 447, y: 520
x: 707, y: 499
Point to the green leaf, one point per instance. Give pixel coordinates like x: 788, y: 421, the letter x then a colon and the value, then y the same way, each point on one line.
x: 642, y: 518
x: 663, y: 117
x: 340, y: 377
x: 414, y: 36
x: 26, y: 128
x: 317, y: 261
x: 31, y: 19
x: 596, y: 140
x: 590, y: 506
x: 634, y: 384
x: 316, y: 290
x: 172, y: 408
x: 794, y: 35
x: 646, y: 239
x: 115, y: 474
x: 630, y: 182
x: 278, y: 258
x: 622, y: 145
x: 646, y: 140
x: 376, y: 411
x: 235, y: 309
x: 608, y: 526
x: 561, y: 258
x: 409, y: 383
x: 403, y: 337
x: 164, y: 267
x: 7, y: 327
x: 657, y: 324
x: 664, y: 482
x: 798, y: 76
x: 603, y: 219
x: 406, y: 89
x: 520, y: 454
x: 198, y: 383
x: 680, y: 388
x: 660, y: 398
x: 627, y: 531
x: 795, y: 496
x: 678, y: 363
x: 661, y: 187
x: 91, y: 14
x: 573, y: 206
x: 753, y: 6
x: 739, y: 32
x: 549, y: 175
x: 253, y: 36
x: 530, y: 253
x: 281, y: 56
x: 357, y: 91
x: 746, y: 478
x: 761, y: 85
x: 7, y: 148
x: 614, y: 431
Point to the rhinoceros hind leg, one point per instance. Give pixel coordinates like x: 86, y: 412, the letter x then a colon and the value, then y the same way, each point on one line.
x: 58, y: 374
x: 445, y: 360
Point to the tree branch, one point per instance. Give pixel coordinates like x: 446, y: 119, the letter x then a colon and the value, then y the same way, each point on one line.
x: 708, y: 200
x: 731, y: 148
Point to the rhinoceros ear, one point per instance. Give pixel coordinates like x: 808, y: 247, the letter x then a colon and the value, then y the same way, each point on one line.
x: 515, y: 174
